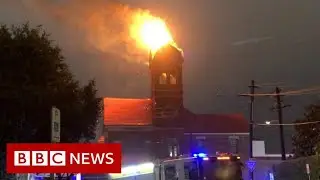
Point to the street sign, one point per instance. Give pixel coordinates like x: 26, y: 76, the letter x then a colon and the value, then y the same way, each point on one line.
x: 200, y: 137
x: 308, y: 168
x: 251, y: 164
x: 55, y: 125
x: 233, y: 140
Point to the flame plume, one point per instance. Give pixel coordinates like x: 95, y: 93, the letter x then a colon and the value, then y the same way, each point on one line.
x: 150, y: 32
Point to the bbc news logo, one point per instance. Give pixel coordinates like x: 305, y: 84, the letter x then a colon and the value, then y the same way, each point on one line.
x: 39, y: 158
x: 63, y: 158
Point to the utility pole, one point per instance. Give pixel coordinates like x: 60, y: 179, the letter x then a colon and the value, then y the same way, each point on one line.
x: 252, y: 88
x: 252, y: 92
x: 279, y: 108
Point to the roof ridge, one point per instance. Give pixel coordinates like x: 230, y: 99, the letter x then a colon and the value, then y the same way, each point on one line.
x: 221, y: 114
x: 123, y: 98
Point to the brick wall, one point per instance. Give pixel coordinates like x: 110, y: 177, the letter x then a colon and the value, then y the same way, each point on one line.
x: 216, y: 143
x: 155, y: 143
x: 150, y: 144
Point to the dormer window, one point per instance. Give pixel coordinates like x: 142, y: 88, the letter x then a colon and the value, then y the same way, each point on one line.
x: 163, y: 78
x: 173, y: 79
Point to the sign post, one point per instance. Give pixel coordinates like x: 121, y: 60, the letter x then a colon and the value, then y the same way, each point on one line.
x: 55, y: 125
x: 251, y: 165
x: 308, y: 171
x: 55, y: 128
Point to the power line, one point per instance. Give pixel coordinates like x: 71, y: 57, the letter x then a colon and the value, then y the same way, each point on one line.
x: 306, y: 91
x: 278, y: 107
x: 301, y: 91
x: 272, y: 84
x: 313, y: 90
x: 288, y: 124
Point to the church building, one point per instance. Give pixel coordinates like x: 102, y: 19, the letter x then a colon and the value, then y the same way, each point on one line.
x: 161, y: 127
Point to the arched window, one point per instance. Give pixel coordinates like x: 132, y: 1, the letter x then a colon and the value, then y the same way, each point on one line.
x: 173, y: 79
x: 163, y: 78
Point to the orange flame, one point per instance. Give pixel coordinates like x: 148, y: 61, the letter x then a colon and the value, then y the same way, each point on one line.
x: 106, y: 27
x: 150, y: 32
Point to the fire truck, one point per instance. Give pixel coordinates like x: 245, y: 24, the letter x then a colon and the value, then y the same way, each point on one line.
x: 198, y: 167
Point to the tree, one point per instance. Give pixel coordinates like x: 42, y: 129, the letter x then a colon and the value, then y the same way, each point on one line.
x: 307, y: 137
x: 33, y: 78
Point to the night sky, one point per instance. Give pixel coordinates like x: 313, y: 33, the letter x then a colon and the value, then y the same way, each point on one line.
x: 226, y: 44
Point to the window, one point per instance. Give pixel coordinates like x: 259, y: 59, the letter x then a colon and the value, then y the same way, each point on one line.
x: 173, y: 79
x: 173, y: 150
x: 170, y: 172
x: 173, y: 147
x: 201, y: 137
x: 191, y: 170
x: 163, y: 78
x: 170, y: 151
x: 234, y: 143
x: 201, y: 144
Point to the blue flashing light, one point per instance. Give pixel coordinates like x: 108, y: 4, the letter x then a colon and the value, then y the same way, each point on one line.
x: 201, y: 155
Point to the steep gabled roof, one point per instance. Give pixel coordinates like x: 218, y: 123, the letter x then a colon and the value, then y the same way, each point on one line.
x: 168, y: 51
x: 120, y: 111
x: 138, y: 112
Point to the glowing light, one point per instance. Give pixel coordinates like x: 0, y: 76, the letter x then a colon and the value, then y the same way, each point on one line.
x: 223, y: 158
x: 205, y: 158
x: 271, y: 177
x: 78, y: 176
x: 154, y: 33
x: 200, y: 155
x: 150, y: 32
x: 146, y: 168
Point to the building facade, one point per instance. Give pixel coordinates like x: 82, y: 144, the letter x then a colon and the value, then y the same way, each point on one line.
x: 161, y: 127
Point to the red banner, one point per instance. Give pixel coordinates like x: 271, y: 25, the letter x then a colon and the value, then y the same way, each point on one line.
x: 63, y: 158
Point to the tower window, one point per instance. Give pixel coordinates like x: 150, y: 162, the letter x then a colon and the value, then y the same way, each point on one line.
x: 163, y: 78
x: 173, y: 150
x: 173, y: 79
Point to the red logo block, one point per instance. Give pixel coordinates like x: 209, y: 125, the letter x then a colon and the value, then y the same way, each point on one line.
x: 63, y: 158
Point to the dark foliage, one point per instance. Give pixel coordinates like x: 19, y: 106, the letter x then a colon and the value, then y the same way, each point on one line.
x: 33, y: 78
x: 295, y: 169
x: 307, y: 137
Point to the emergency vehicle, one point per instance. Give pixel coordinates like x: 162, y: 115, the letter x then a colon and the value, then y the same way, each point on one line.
x: 199, y: 167
x: 43, y: 176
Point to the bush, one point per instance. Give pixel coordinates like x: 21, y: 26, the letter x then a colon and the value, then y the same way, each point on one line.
x: 295, y: 169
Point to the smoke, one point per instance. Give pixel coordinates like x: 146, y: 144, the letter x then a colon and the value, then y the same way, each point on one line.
x: 94, y: 36
x: 104, y: 25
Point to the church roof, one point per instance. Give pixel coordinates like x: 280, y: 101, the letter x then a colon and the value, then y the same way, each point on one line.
x: 167, y: 56
x: 120, y: 111
x: 168, y: 51
x: 137, y: 112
